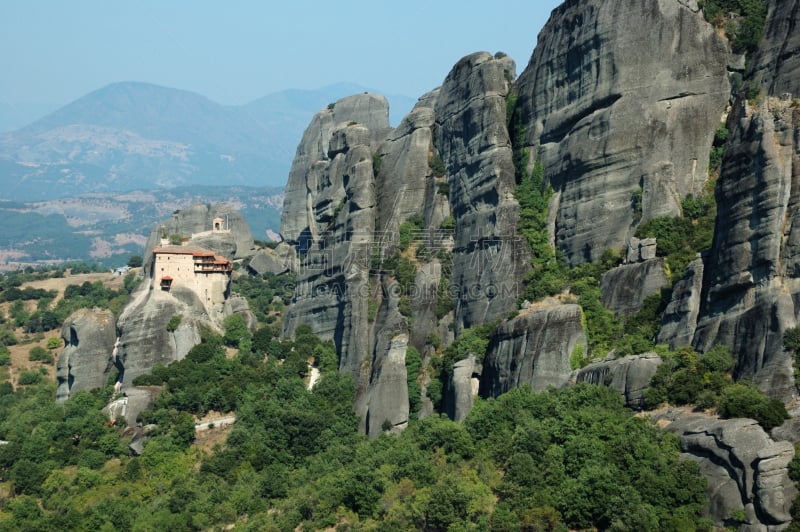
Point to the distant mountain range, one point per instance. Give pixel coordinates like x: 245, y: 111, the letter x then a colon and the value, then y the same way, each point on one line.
x: 131, y: 135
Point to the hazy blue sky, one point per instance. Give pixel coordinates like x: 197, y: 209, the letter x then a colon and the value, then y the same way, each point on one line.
x: 54, y: 51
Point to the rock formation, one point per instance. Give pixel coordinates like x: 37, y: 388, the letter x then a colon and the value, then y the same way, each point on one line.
x: 628, y: 375
x: 746, y: 469
x: 534, y: 349
x: 750, y: 285
x: 145, y: 340
x: 472, y: 138
x: 625, y: 287
x: 97, y: 347
x: 282, y: 259
x: 679, y: 321
x: 86, y: 361
x: 462, y: 388
x: 620, y: 101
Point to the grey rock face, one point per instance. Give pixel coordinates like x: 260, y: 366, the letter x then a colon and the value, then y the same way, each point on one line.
x: 388, y: 397
x: 778, y: 58
x: 463, y: 388
x: 751, y: 276
x: 625, y: 288
x: 333, y: 173
x: 534, y: 348
x: 745, y: 468
x: 641, y: 250
x: 333, y: 286
x: 490, y: 258
x: 621, y: 100
x: 679, y: 321
x: 233, y: 240
x: 308, y: 199
x: 280, y: 260
x: 405, y: 174
x: 144, y: 338
x: 86, y: 361
x: 629, y: 375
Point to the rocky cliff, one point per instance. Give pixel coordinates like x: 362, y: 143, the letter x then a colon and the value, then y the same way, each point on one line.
x: 620, y: 101
x: 368, y: 207
x: 746, y: 469
x: 412, y: 236
x: 750, y: 282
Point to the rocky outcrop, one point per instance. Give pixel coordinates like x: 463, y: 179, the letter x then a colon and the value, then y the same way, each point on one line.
x: 628, y: 375
x: 387, y: 405
x: 625, y: 288
x: 232, y: 239
x: 640, y: 250
x: 462, y: 388
x: 679, y: 321
x: 490, y: 259
x: 86, y: 361
x: 133, y: 402
x: 144, y: 338
x: 777, y: 62
x: 309, y: 199
x: 282, y: 259
x: 752, y: 274
x: 534, y: 349
x: 405, y: 175
x: 620, y: 101
x: 745, y: 468
x: 752, y: 279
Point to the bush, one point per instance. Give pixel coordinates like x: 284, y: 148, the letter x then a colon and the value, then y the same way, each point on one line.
x: 744, y: 400
x: 173, y: 323
x: 135, y: 261
x: 54, y: 342
x: 377, y: 161
x: 30, y: 377
x: 5, y: 356
x: 40, y: 354
x: 437, y: 165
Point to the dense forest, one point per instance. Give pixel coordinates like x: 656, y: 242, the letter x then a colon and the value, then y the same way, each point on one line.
x: 564, y: 459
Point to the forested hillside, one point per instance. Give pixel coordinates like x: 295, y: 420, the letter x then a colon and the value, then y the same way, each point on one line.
x: 574, y: 458
x: 564, y: 300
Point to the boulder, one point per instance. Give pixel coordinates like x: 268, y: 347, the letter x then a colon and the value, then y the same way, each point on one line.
x: 282, y: 259
x: 746, y: 469
x: 534, y: 349
x: 628, y: 375
x: 625, y: 287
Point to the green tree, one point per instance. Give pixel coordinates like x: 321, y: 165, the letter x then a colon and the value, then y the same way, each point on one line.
x: 235, y: 330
